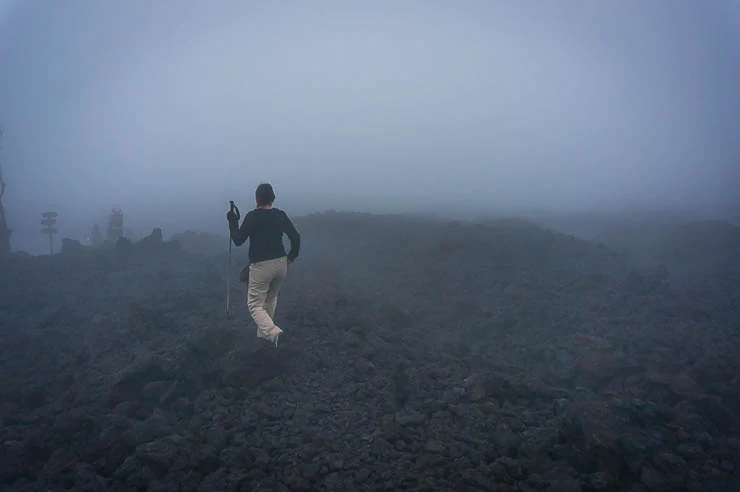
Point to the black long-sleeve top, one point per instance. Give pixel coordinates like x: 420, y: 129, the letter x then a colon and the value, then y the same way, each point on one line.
x: 265, y: 228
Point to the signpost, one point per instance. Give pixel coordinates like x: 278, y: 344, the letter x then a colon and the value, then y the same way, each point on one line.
x: 49, y: 221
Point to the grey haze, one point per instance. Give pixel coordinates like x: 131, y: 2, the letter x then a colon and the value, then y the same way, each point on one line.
x: 168, y: 109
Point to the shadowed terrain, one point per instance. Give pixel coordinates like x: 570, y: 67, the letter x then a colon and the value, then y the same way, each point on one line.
x: 418, y: 355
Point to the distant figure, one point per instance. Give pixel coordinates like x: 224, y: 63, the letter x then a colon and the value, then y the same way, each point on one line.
x: 96, y: 238
x: 115, y: 225
x: 268, y: 263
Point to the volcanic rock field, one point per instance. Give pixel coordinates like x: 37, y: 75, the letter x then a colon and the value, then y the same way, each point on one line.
x: 418, y: 355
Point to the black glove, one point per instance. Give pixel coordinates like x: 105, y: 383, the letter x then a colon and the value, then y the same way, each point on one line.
x: 233, y: 214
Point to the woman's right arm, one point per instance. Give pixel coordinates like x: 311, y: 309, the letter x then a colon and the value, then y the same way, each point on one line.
x: 239, y: 234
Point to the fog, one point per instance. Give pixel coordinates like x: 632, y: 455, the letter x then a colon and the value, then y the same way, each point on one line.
x: 169, y: 109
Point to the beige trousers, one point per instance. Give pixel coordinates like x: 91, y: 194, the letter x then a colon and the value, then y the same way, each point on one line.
x: 265, y: 280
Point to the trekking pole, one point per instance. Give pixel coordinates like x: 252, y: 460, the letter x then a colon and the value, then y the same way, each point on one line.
x: 235, y: 209
x: 228, y: 280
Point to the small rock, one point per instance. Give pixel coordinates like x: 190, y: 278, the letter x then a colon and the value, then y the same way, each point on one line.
x: 652, y: 412
x: 86, y: 480
x: 565, y: 486
x: 382, y: 448
x: 218, y: 480
x: 161, y: 454
x: 536, y: 481
x: 142, y: 432
x: 362, y: 475
x: 477, y: 479
x: 515, y: 424
x: 560, y: 406
x: 633, y: 454
x: 352, y: 340
x: 155, y: 390
x: 265, y: 410
x: 435, y: 447
x: 598, y: 481
x: 571, y: 430
x: 182, y: 406
x: 726, y: 466
x: 702, y: 437
x: 335, y: 482
x: 127, y: 468
x: 693, y: 423
x: 563, y: 356
x: 580, y: 461
x: 734, y: 443
x: 217, y: 437
x: 334, y: 462
x: 364, y: 368
x: 149, y: 430
x: 498, y: 471
x: 412, y: 418
x: 653, y: 479
x: 690, y: 451
x: 388, y: 426
x: 34, y: 398
x: 507, y: 442
x: 309, y: 471
x: 234, y: 458
x: 538, y: 442
x: 694, y: 482
x: 512, y: 467
x: 674, y: 468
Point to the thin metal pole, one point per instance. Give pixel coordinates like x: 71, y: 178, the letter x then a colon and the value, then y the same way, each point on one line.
x: 228, y: 279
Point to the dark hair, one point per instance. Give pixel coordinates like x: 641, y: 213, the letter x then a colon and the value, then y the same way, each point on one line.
x: 264, y: 194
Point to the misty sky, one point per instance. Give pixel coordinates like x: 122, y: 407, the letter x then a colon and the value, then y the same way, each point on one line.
x: 170, y: 108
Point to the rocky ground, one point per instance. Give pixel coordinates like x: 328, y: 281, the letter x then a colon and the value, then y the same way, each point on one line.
x: 417, y: 356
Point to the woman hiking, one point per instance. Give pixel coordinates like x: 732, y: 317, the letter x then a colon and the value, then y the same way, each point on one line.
x: 268, y: 262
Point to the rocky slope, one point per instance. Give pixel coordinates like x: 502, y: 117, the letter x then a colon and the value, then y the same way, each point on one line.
x: 417, y: 356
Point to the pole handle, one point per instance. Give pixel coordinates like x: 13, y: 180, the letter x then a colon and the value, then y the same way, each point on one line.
x: 235, y: 209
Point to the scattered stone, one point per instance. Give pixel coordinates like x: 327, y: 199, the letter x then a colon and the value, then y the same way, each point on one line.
x: 410, y: 418
x: 507, y: 442
x: 691, y: 451
x: 263, y: 409
x: 674, y: 468
x: 560, y: 406
x: 435, y: 447
x: 567, y: 485
x: 512, y: 467
x: 598, y: 481
x: 653, y: 479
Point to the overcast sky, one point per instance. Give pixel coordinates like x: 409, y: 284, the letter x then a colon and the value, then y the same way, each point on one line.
x: 170, y: 108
